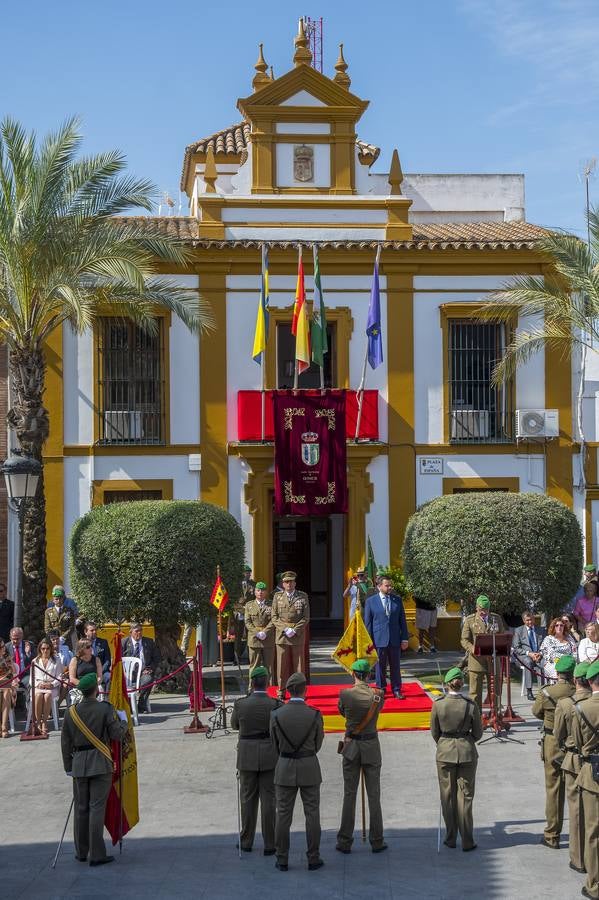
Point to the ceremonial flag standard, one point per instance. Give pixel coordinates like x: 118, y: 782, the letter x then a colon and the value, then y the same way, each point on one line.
x: 123, y: 792
x: 299, y: 324
x: 262, y: 316
x: 318, y: 328
x: 371, y: 564
x: 219, y: 597
x: 373, y: 325
x: 355, y: 644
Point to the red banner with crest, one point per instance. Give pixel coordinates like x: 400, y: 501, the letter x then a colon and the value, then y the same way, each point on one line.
x: 310, y: 453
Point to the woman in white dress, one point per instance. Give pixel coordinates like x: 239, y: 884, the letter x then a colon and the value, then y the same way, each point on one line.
x: 588, y: 649
x: 46, y: 668
x: 559, y: 642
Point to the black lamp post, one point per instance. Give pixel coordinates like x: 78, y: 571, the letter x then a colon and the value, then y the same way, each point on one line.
x: 22, y: 475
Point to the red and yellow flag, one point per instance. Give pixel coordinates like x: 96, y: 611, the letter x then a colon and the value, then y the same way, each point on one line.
x: 299, y: 325
x: 219, y: 597
x: 355, y: 644
x: 124, y: 784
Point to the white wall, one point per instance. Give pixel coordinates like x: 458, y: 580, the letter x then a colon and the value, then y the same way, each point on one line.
x: 530, y: 469
x: 377, y: 518
x: 285, y: 168
x: 78, y: 360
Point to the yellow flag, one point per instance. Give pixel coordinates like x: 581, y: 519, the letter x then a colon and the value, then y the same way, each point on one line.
x: 355, y: 644
x: 122, y: 810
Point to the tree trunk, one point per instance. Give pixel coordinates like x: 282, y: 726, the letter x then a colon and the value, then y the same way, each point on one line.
x: 29, y: 419
x: 167, y: 639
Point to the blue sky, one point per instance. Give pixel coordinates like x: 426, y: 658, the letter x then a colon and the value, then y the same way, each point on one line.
x: 455, y: 85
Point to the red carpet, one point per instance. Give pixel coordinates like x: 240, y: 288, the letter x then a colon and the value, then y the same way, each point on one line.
x: 411, y: 714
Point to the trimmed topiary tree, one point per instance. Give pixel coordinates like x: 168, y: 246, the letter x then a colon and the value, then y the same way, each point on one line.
x: 522, y: 550
x: 159, y: 559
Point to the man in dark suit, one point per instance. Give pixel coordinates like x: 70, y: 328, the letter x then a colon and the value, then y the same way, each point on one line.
x: 21, y: 652
x: 146, y: 650
x: 101, y: 649
x: 385, y: 620
x: 526, y: 645
x: 7, y: 614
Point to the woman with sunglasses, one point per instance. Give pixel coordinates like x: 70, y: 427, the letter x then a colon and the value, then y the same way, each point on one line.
x: 45, y: 669
x: 84, y: 663
x: 559, y: 642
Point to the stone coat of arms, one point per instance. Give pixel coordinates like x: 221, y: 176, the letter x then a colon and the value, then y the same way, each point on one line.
x: 303, y: 163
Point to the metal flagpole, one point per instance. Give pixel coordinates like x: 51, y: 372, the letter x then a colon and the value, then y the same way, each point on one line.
x: 363, y: 378
x: 120, y: 797
x: 439, y: 831
x: 263, y: 360
x: 239, y: 815
x: 296, y: 373
x: 315, y: 254
x: 64, y: 831
x: 263, y: 397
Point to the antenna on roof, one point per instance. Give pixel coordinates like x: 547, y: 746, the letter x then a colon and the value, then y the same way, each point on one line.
x: 588, y: 172
x: 313, y: 29
x: 168, y: 202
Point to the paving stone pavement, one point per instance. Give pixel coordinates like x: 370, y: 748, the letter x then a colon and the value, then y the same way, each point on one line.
x: 184, y: 844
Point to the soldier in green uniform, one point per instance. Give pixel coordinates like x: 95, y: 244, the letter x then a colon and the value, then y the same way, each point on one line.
x: 260, y: 630
x: 256, y: 761
x: 86, y: 756
x: 60, y: 617
x: 360, y: 705
x: 247, y: 593
x: 555, y: 786
x: 585, y: 734
x: 298, y: 732
x: 290, y: 615
x: 481, y: 622
x: 456, y: 725
x: 562, y: 732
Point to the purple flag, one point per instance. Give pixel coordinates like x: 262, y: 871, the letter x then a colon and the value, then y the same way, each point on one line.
x: 373, y: 325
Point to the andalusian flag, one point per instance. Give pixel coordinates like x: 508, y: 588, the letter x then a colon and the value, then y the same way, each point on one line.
x: 355, y: 644
x: 219, y: 597
x: 127, y: 782
x: 261, y: 332
x: 318, y: 329
x: 371, y: 564
x: 299, y: 325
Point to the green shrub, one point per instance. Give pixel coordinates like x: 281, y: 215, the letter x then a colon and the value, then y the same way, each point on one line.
x: 520, y: 549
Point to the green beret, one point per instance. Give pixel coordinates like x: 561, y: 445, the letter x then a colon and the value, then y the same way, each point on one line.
x: 288, y: 576
x: 259, y: 672
x: 260, y: 586
x: 361, y: 665
x: 565, y: 665
x: 589, y: 568
x: 247, y: 568
x: 87, y: 683
x: 483, y: 602
x: 453, y: 673
x: 298, y: 679
x: 581, y: 670
x: 593, y: 670
x: 58, y: 591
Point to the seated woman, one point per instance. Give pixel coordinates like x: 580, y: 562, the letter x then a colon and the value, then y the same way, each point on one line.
x: 8, y: 686
x: 574, y: 633
x: 45, y: 669
x: 558, y: 643
x: 84, y: 663
x: 588, y: 649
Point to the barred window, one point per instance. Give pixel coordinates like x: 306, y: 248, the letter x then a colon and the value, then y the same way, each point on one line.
x: 478, y: 412
x: 131, y: 383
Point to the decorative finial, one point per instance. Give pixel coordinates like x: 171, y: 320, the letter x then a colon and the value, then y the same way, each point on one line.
x: 395, y: 174
x: 261, y: 67
x: 272, y: 74
x: 303, y: 54
x: 210, y: 173
x: 341, y: 77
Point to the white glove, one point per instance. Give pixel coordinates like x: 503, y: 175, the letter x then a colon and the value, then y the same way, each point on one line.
x: 261, y: 635
x: 122, y: 715
x: 290, y: 632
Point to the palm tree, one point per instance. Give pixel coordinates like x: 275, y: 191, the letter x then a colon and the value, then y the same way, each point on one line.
x: 64, y: 257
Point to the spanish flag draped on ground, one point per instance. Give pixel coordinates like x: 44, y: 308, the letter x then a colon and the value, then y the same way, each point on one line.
x: 355, y: 644
x: 299, y: 325
x: 128, y: 782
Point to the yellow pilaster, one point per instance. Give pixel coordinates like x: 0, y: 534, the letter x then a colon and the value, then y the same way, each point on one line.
x: 558, y: 395
x: 53, y: 459
x: 213, y: 392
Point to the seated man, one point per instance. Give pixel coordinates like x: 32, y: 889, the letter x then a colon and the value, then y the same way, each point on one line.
x: 21, y: 652
x: 526, y: 644
x: 100, y: 649
x: 62, y: 652
x: 145, y: 650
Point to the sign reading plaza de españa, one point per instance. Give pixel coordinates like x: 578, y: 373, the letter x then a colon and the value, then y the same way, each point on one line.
x: 310, y: 453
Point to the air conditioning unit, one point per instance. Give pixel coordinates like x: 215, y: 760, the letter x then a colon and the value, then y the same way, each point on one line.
x: 469, y: 424
x: 122, y: 425
x: 537, y: 423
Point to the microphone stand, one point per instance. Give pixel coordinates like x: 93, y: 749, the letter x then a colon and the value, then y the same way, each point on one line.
x: 495, y: 718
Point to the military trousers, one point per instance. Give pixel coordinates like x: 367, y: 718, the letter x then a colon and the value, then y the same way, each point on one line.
x: 555, y: 790
x: 352, y: 769
x: 576, y: 820
x: 262, y: 656
x: 285, y: 797
x: 590, y: 808
x: 456, y: 787
x: 90, y: 795
x: 290, y: 659
x: 257, y: 788
x: 239, y: 631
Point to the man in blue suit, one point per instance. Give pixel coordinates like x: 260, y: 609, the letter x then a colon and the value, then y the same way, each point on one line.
x: 385, y: 620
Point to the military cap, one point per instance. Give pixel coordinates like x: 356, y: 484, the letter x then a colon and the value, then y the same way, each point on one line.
x: 455, y: 672
x: 589, y: 568
x: 361, y: 571
x: 259, y: 672
x: 581, y: 670
x: 593, y: 670
x: 260, y: 585
x: 298, y: 679
x: 87, y: 683
x: 565, y: 664
x: 288, y: 576
x: 58, y: 591
x: 361, y: 665
x: 483, y: 602
x: 247, y: 568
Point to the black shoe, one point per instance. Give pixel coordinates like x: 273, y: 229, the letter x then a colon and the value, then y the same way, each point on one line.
x: 551, y: 846
x: 586, y: 893
x: 269, y: 852
x: 420, y: 650
x: 468, y: 849
x: 315, y: 865
x: 342, y: 849
x: 450, y: 845
x: 282, y: 867
x: 244, y: 849
x: 379, y: 849
x: 433, y: 650
x: 81, y: 858
x: 582, y: 871
x: 530, y: 695
x: 398, y: 695
x: 101, y: 862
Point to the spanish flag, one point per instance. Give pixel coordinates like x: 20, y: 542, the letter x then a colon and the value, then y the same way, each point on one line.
x: 124, y: 784
x: 262, y: 316
x: 299, y: 326
x: 219, y: 597
x: 355, y: 644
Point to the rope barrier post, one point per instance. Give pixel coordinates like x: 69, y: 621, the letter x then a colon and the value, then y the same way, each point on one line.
x: 196, y: 726
x: 33, y: 733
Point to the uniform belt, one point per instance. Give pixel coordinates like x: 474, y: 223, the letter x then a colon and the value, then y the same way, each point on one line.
x: 299, y: 754
x: 454, y: 734
x: 85, y: 747
x: 363, y: 737
x: 258, y: 736
x: 547, y: 730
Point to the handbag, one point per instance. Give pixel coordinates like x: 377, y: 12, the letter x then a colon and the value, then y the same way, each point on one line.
x: 378, y: 696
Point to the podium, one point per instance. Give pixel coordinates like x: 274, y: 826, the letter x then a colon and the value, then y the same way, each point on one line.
x: 495, y: 648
